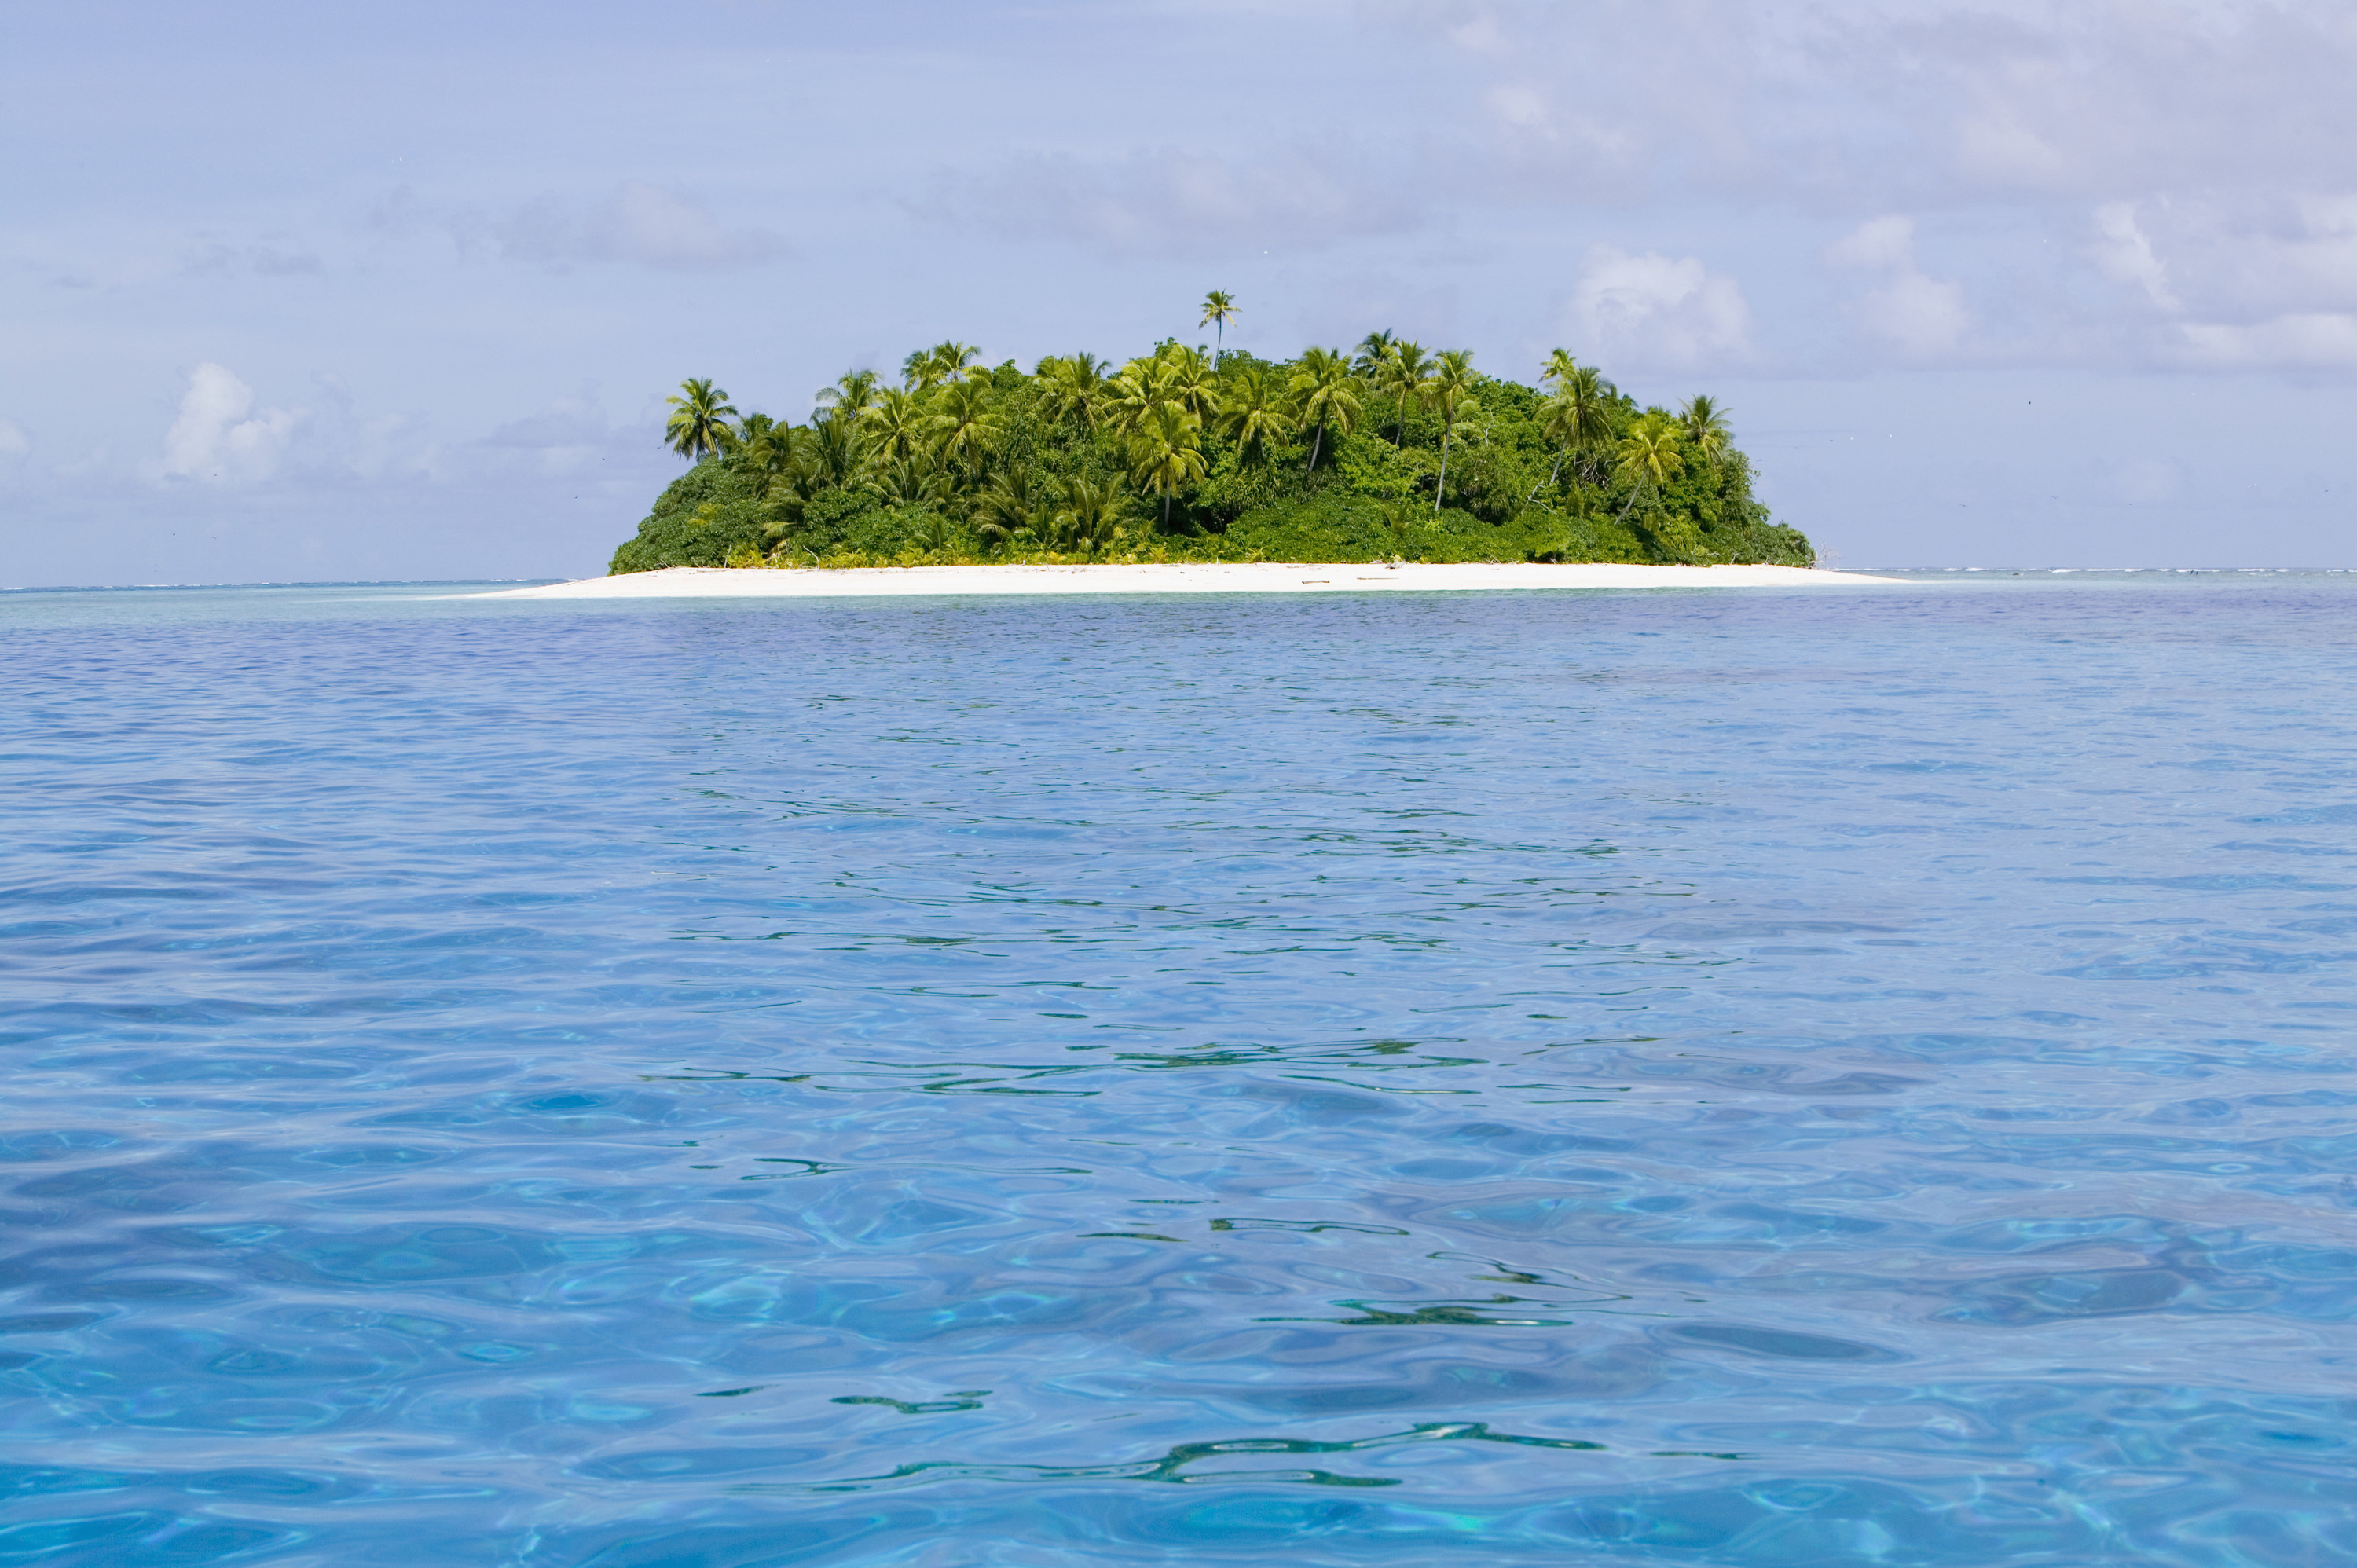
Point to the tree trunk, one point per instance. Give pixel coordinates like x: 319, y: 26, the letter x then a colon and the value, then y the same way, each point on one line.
x: 1316, y: 446
x: 1443, y: 488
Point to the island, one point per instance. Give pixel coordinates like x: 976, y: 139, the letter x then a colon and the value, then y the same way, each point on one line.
x: 1198, y: 455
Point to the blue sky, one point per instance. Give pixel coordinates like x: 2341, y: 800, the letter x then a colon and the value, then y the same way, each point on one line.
x: 303, y: 292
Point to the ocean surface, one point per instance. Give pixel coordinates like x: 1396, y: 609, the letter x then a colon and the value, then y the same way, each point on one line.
x: 1728, y: 1078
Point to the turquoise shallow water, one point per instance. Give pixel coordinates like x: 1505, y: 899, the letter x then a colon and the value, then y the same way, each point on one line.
x: 1744, y: 1078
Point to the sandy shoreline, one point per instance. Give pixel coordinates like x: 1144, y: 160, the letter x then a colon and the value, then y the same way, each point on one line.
x: 1259, y: 578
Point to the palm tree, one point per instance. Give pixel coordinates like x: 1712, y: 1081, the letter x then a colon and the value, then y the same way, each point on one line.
x: 833, y: 453
x: 1219, y: 309
x: 1648, y: 455
x: 897, y: 425
x: 1373, y: 349
x: 1072, y: 388
x: 698, y: 427
x: 965, y: 429
x: 1005, y: 508
x: 1166, y: 452
x: 768, y: 450
x: 1090, y: 514
x: 1193, y: 383
x: 1254, y: 414
x: 1401, y: 370
x: 1578, y: 417
x: 1559, y: 364
x: 1452, y: 387
x: 1144, y: 387
x: 908, y: 481
x: 1324, y: 392
x: 1704, y: 423
x: 849, y: 398
x: 928, y: 367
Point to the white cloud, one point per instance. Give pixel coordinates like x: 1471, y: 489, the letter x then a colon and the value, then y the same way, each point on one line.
x: 1650, y: 311
x: 2124, y: 253
x: 1924, y: 101
x: 214, y: 442
x: 13, y: 443
x: 1920, y: 315
x: 2248, y: 281
x: 1880, y: 242
x: 2307, y: 340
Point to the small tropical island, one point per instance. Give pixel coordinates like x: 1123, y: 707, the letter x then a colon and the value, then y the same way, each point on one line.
x: 1197, y: 454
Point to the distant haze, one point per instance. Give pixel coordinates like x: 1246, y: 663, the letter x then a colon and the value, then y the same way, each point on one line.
x: 305, y: 291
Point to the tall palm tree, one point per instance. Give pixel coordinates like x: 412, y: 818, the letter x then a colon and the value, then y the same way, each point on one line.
x: 850, y: 398
x: 1324, y: 392
x: 698, y: 427
x: 897, y: 425
x: 1559, y: 364
x: 1703, y: 422
x: 1452, y: 391
x: 948, y: 361
x: 1166, y: 453
x: 965, y: 428
x: 1373, y: 349
x: 1649, y: 456
x: 1254, y: 414
x: 1193, y: 381
x: 1143, y: 388
x: 1579, y: 416
x: 1403, y: 371
x: 1219, y: 309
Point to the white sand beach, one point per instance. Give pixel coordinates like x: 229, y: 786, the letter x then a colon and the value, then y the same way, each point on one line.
x: 1258, y: 577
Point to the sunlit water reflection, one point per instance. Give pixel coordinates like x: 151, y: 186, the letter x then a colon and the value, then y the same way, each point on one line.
x: 1723, y: 1078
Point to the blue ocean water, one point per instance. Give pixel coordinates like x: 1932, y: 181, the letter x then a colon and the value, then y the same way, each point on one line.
x: 1735, y: 1078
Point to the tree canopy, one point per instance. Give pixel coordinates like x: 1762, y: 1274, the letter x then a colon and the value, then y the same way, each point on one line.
x: 1189, y: 452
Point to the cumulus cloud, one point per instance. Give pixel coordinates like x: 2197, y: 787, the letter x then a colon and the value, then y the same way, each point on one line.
x: 1167, y: 201
x: 2307, y: 340
x: 638, y: 223
x: 221, y: 439
x: 2246, y: 281
x: 1654, y: 312
x: 2206, y: 138
x: 218, y: 438
x: 1920, y: 315
x: 1876, y: 100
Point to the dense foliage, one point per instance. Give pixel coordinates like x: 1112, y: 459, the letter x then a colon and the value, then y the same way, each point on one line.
x: 1387, y: 453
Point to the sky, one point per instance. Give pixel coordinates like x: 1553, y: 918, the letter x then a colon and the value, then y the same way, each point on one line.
x: 306, y: 293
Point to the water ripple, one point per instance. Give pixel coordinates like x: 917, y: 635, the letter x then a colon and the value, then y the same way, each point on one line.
x: 1743, y: 1079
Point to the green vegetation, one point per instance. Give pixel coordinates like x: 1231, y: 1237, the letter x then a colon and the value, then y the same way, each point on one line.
x: 1183, y: 455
